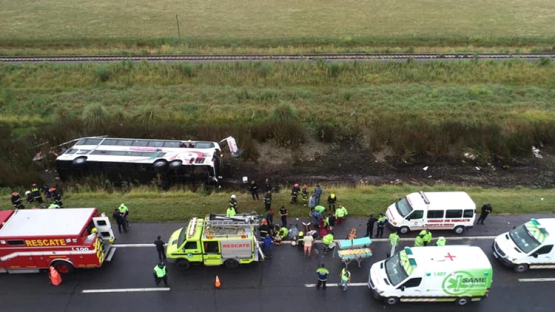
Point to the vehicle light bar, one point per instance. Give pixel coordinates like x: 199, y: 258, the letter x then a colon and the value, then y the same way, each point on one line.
x: 424, y: 197
x: 193, y: 226
x: 408, y: 251
x: 535, y: 222
x: 412, y: 262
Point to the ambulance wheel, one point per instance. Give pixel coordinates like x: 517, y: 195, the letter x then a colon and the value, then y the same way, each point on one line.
x: 521, y: 268
x: 459, y: 230
x: 63, y: 267
x: 404, y: 230
x: 182, y: 264
x: 462, y: 301
x: 391, y: 301
x: 231, y: 264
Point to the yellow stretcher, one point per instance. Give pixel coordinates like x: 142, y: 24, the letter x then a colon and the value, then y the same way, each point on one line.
x: 354, y: 250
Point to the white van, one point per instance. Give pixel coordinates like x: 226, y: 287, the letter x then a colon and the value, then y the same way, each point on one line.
x: 432, y: 210
x: 432, y: 274
x: 527, y: 246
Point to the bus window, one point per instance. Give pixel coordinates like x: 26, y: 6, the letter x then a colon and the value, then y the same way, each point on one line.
x: 435, y: 214
x: 469, y: 213
x: 453, y: 214
x: 140, y: 143
x: 109, y: 142
x: 156, y: 143
x: 125, y: 142
x: 92, y: 141
x: 171, y: 144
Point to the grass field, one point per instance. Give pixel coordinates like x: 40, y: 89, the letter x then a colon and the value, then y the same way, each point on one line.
x: 223, y: 26
x: 178, y: 205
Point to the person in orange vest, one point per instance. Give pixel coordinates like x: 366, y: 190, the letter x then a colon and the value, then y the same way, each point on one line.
x: 54, y: 276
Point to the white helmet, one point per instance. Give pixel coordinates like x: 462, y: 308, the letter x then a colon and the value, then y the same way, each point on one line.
x: 233, y: 196
x: 28, y: 192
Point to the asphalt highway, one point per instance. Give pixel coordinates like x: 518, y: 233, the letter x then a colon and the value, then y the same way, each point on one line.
x: 282, y: 283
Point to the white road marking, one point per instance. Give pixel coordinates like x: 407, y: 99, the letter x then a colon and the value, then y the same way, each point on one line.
x: 335, y: 285
x: 524, y: 280
x: 95, y: 291
x: 377, y: 240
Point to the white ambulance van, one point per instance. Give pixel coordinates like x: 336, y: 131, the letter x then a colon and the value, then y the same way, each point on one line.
x: 527, y: 246
x: 459, y: 274
x: 432, y: 210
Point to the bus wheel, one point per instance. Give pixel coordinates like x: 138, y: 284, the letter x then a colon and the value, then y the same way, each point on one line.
x: 521, y: 268
x: 462, y: 301
x: 231, y: 264
x: 404, y: 230
x: 63, y: 267
x: 391, y: 301
x: 182, y: 264
x: 459, y: 230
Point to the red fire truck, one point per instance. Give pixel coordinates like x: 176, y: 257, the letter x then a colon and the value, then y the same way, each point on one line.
x: 35, y: 239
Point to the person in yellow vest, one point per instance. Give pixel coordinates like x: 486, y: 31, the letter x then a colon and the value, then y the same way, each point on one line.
x: 345, y: 212
x: 230, y: 212
x: 441, y: 241
x: 419, y: 241
x: 394, y: 239
x: 328, y: 241
x: 345, y: 278
x: 161, y: 274
x: 339, y: 214
x: 427, y: 236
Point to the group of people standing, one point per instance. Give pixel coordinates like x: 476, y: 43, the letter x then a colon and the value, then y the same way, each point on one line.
x: 34, y: 197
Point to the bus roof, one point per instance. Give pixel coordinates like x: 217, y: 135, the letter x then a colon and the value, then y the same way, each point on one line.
x: 47, y: 222
x: 441, y: 200
x: 447, y: 258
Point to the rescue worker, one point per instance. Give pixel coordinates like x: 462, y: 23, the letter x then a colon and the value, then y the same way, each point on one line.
x: 35, y: 191
x: 427, y: 236
x: 16, y: 201
x: 159, y: 243
x: 316, y: 217
x: 345, y: 212
x: 233, y: 202
x: 328, y: 241
x: 331, y: 202
x: 264, y: 229
x: 394, y: 239
x: 311, y: 203
x: 330, y: 220
x: 161, y: 274
x: 322, y: 274
x: 486, y: 209
x: 382, y: 220
x: 47, y: 194
x: 419, y: 241
x: 295, y: 193
x: 56, y: 197
x: 339, y: 214
x: 270, y: 216
x: 29, y: 197
x: 283, y: 214
x: 441, y: 241
x: 267, y: 244
x: 230, y: 212
x: 282, y: 233
x: 317, y: 193
x: 124, y: 211
x: 267, y: 185
x: 254, y: 190
x: 304, y: 195
x: 345, y: 278
x: 268, y: 200
x: 370, y: 226
x: 119, y: 220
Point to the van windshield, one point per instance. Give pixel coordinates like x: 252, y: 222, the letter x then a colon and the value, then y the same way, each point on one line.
x: 181, y: 237
x: 523, y: 240
x: 403, y: 207
x: 394, y: 270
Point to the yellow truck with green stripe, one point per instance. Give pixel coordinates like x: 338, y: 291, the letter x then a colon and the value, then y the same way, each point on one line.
x: 459, y: 274
x: 527, y: 246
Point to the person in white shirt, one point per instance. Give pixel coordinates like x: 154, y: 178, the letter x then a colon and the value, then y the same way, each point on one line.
x: 307, y: 241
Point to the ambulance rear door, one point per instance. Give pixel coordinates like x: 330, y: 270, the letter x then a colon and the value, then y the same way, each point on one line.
x: 104, y: 227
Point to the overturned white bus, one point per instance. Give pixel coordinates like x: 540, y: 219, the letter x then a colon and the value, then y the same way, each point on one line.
x: 143, y: 160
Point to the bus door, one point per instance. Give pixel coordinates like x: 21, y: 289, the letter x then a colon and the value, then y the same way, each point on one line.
x: 212, y: 253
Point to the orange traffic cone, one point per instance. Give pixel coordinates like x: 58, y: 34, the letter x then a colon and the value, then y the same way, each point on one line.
x: 55, y: 277
x: 217, y: 283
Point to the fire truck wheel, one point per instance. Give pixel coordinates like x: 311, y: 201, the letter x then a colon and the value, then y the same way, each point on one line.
x: 182, y: 264
x: 63, y: 267
x: 231, y: 264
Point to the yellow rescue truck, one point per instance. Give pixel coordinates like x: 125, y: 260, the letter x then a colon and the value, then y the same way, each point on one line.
x: 215, y: 240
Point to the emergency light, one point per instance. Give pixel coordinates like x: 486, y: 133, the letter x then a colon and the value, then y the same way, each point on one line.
x: 408, y: 251
x: 535, y: 222
x: 424, y: 197
x: 412, y: 262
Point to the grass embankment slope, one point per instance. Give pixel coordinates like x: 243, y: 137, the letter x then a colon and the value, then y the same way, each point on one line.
x: 149, y: 205
x: 242, y: 26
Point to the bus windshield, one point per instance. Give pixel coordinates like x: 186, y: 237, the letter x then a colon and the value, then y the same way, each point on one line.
x: 523, y: 240
x: 394, y: 270
x: 403, y: 207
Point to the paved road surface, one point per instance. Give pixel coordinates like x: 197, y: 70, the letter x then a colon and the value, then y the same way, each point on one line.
x: 277, y: 284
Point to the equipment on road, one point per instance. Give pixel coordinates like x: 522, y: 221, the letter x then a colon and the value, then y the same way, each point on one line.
x: 354, y: 250
x: 215, y: 240
x: 34, y: 240
x: 55, y: 278
x: 527, y: 246
x: 217, y: 283
x: 436, y: 274
x: 432, y: 210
